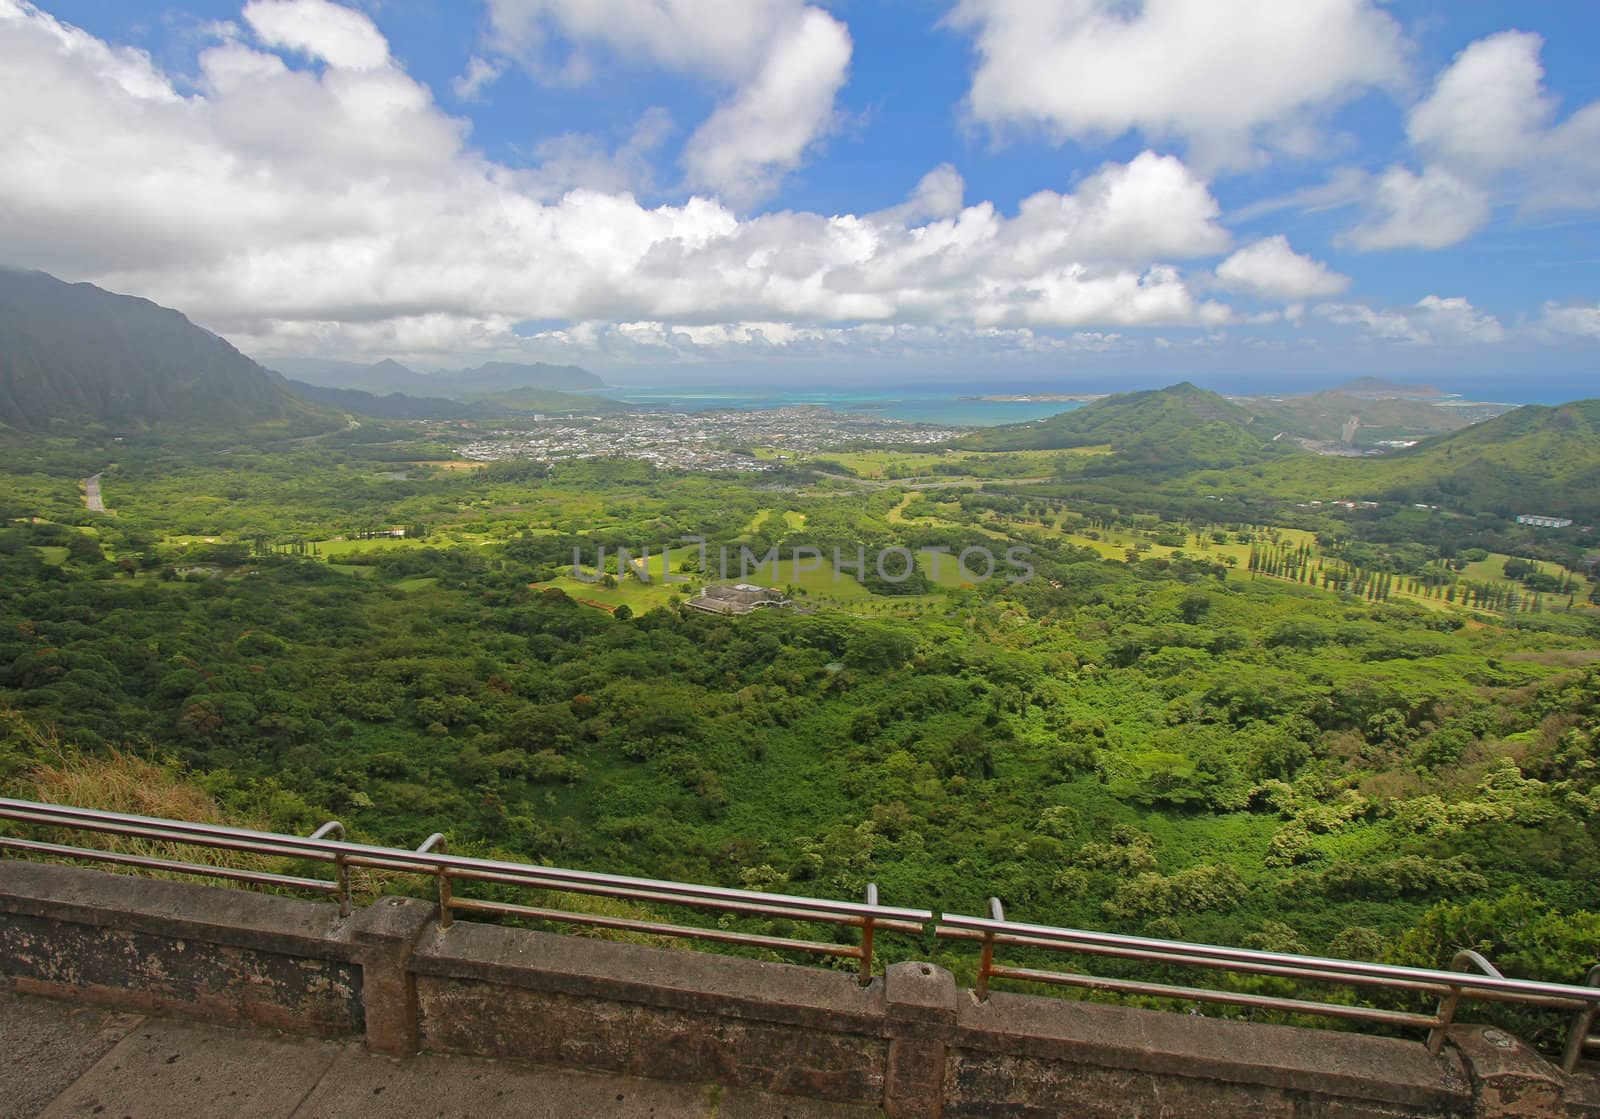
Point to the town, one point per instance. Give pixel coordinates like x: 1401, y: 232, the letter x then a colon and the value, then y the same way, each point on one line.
x: 717, y: 440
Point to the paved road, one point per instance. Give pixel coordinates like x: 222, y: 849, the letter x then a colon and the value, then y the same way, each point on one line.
x: 62, y: 1061
x: 91, y: 494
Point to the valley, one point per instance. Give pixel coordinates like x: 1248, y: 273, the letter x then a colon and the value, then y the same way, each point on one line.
x: 1241, y: 694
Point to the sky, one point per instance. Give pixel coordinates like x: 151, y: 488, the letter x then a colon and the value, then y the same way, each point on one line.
x: 1073, y: 193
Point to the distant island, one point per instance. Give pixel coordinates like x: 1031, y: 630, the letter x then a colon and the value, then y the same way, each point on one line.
x: 1040, y: 397
x: 1376, y: 388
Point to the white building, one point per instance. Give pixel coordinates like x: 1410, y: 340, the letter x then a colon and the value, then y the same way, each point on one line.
x: 1543, y: 522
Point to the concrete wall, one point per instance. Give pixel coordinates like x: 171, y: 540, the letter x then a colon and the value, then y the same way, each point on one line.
x: 912, y: 1042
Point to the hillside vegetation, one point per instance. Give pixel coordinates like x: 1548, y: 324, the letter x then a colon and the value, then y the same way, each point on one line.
x: 1177, y: 427
x: 1535, y: 459
x: 73, y: 352
x: 1210, y: 709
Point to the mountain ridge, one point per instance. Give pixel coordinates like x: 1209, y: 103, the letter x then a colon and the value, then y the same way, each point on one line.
x: 1148, y: 429
x: 77, y: 352
x: 466, y: 384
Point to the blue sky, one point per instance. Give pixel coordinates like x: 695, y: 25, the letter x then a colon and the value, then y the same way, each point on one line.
x: 1015, y: 191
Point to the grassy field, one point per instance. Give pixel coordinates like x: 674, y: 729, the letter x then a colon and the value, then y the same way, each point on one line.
x: 885, y: 465
x: 1492, y: 570
x: 636, y: 596
x: 330, y: 548
x: 454, y: 464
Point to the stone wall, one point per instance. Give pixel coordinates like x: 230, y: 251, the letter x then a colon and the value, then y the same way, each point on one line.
x: 912, y: 1042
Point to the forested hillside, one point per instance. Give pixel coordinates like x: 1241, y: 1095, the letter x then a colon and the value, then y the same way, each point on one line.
x: 73, y: 352
x: 1535, y: 459
x: 1176, y: 427
x: 1341, y: 417
x: 389, y: 376
x: 1149, y: 735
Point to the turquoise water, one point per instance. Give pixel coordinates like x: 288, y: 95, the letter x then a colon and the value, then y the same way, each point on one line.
x: 928, y: 408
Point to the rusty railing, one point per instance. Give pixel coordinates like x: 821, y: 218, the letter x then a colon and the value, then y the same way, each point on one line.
x: 1450, y: 986
x: 433, y: 859
x: 1471, y: 976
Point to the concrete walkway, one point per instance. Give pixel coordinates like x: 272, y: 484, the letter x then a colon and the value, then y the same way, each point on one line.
x: 64, y: 1060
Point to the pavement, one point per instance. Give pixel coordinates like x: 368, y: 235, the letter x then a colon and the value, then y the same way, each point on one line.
x: 65, y: 1060
x: 91, y: 494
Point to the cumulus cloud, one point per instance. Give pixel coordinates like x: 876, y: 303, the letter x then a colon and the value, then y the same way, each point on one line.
x: 479, y: 74
x: 1432, y: 320
x: 575, y: 160
x: 1486, y: 131
x: 782, y: 62
x: 1270, y: 269
x: 334, y: 34
x: 1220, y: 76
x: 1487, y: 107
x: 337, y: 208
x: 1577, y: 320
x: 1432, y: 210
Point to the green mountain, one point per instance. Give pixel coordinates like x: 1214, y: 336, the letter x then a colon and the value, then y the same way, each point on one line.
x: 548, y: 400
x: 393, y: 405
x: 379, y: 378
x: 1360, y: 419
x: 405, y: 406
x: 1537, y: 459
x: 489, y: 379
x: 1180, y: 425
x: 1376, y: 388
x: 506, y: 376
x: 78, y: 353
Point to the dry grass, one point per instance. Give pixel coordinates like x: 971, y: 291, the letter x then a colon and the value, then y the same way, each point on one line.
x: 1558, y: 658
x: 120, y: 781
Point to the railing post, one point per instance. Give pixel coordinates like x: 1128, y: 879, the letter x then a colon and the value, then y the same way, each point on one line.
x: 437, y: 842
x: 1463, y: 960
x: 341, y: 869
x: 1582, y: 1023
x: 1446, y: 1014
x: 866, y: 936
x: 986, y: 960
x: 385, y: 935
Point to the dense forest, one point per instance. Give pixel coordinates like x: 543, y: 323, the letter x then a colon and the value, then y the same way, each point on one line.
x: 1183, y: 725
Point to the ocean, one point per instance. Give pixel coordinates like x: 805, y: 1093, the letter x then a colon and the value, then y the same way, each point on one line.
x: 960, y: 406
x: 955, y: 408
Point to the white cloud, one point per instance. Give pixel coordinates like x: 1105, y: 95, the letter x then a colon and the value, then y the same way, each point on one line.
x: 1577, y: 320
x: 1432, y: 320
x: 749, y: 142
x: 1271, y: 269
x: 1432, y: 210
x: 1487, y: 108
x: 1485, y: 133
x: 480, y: 73
x: 1221, y: 76
x: 339, y: 208
x: 574, y: 160
x: 334, y: 34
x: 782, y: 62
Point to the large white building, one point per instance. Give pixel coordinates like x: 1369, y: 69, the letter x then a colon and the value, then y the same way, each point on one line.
x: 1543, y: 522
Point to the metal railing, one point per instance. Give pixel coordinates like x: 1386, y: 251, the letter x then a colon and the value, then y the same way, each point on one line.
x: 1578, y: 1036
x: 1449, y: 986
x: 432, y: 859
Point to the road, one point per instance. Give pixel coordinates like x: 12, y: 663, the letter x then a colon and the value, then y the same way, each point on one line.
x: 91, y: 494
